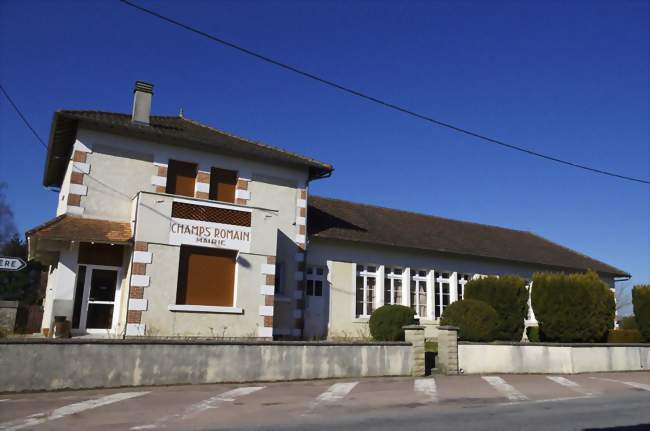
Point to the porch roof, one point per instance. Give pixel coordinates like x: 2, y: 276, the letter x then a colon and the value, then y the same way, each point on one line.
x: 73, y: 228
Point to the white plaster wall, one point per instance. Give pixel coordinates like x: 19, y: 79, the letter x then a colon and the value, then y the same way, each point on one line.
x: 62, y: 204
x: 161, y: 293
x: 477, y: 358
x: 116, y: 176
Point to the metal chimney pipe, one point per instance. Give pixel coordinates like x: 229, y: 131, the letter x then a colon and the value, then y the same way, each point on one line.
x: 142, y: 95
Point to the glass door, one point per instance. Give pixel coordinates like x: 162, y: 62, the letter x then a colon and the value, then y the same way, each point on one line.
x: 98, y: 308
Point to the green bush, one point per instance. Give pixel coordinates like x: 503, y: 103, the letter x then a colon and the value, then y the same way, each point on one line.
x: 386, y: 322
x: 628, y: 322
x: 532, y: 332
x: 573, y: 308
x: 509, y: 297
x: 624, y: 336
x: 641, y: 303
x: 476, y: 320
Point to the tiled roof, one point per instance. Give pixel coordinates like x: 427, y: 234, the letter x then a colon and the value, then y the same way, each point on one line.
x: 341, y: 220
x: 70, y: 228
x: 171, y: 129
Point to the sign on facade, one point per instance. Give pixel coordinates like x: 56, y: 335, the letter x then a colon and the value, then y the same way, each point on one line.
x: 11, y: 263
x: 205, y: 234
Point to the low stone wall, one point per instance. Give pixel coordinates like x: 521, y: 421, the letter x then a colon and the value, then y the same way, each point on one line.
x: 478, y: 358
x: 50, y: 364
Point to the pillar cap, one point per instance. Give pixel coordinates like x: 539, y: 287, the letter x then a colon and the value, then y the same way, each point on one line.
x: 448, y: 328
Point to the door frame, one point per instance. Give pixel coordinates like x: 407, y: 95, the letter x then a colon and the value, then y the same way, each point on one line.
x: 83, y: 315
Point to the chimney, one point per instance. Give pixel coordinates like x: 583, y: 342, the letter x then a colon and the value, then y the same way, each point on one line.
x: 142, y: 94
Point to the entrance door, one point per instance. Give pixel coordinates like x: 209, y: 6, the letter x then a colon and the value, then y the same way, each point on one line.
x: 97, y: 310
x: 315, y: 303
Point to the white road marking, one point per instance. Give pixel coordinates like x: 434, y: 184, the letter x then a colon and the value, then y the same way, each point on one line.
x: 569, y: 384
x: 427, y: 388
x: 505, y: 389
x: 548, y: 400
x: 201, y: 406
x: 334, y: 393
x: 635, y: 385
x: 70, y: 409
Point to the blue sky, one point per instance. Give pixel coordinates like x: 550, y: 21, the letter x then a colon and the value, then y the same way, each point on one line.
x: 569, y: 79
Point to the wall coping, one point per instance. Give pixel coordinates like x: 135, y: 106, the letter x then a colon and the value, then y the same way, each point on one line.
x: 199, y: 342
x: 8, y: 304
x: 513, y: 343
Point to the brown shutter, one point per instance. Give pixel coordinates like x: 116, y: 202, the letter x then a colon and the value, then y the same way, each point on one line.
x: 222, y: 185
x: 206, y: 277
x: 181, y: 178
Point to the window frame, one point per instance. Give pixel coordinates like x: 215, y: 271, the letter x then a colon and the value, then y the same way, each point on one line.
x: 214, y: 194
x: 391, y: 277
x: 365, y: 274
x: 232, y: 308
x: 311, y: 275
x: 171, y: 170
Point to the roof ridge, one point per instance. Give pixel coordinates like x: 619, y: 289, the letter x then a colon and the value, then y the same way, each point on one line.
x: 125, y: 114
x: 419, y: 214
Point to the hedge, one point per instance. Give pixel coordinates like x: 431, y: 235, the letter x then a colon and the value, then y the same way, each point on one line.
x: 509, y: 297
x: 573, y: 308
x: 641, y: 304
x: 628, y: 322
x: 624, y: 336
x: 386, y: 322
x: 476, y: 320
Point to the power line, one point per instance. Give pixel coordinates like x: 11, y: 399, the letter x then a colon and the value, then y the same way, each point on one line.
x: 22, y: 117
x: 375, y: 99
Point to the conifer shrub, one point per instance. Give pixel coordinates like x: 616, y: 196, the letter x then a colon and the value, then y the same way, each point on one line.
x: 641, y: 304
x: 574, y: 308
x: 476, y: 320
x: 532, y: 332
x: 509, y: 298
x: 386, y: 322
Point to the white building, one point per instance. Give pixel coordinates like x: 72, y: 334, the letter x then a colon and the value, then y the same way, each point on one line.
x: 168, y: 227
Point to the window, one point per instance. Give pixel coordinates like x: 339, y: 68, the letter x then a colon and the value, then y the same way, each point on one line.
x: 441, y: 293
x: 315, y: 279
x: 366, y: 286
x: 393, y: 286
x: 222, y: 185
x: 181, y: 178
x: 462, y: 281
x: 206, y: 277
x: 419, y: 292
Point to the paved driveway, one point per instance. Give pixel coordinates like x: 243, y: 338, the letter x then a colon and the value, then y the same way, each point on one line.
x: 475, y: 402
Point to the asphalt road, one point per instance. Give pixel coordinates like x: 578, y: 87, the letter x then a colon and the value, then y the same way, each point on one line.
x: 613, y: 401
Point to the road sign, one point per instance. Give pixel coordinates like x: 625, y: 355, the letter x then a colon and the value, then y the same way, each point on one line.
x: 11, y: 263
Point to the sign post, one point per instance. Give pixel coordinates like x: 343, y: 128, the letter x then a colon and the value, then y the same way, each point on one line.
x: 11, y: 263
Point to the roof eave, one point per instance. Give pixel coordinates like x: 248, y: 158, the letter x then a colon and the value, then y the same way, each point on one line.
x: 59, y: 149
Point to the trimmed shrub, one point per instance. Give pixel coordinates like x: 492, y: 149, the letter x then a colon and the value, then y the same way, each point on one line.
x: 624, y: 336
x: 641, y: 303
x: 573, y: 308
x: 532, y: 332
x: 628, y: 322
x: 476, y: 320
x: 509, y: 297
x: 386, y: 322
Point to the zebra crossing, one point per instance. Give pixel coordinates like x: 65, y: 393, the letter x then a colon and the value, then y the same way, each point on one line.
x: 312, y: 398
